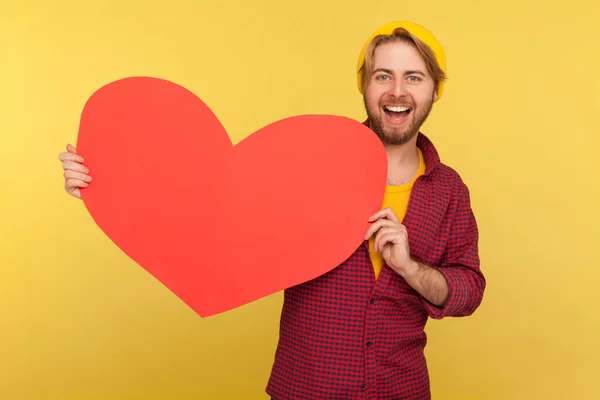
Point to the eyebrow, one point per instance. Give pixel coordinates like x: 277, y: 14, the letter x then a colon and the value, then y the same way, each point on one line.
x: 416, y: 71
x: 389, y: 71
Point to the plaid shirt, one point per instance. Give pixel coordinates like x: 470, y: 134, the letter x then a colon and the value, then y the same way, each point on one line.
x: 346, y: 335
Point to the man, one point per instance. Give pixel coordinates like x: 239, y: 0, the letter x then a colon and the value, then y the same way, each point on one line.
x: 357, y: 332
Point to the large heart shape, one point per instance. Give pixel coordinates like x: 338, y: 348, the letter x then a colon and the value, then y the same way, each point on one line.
x: 217, y: 224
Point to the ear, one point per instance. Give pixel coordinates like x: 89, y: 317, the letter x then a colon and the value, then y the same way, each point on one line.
x: 435, y: 95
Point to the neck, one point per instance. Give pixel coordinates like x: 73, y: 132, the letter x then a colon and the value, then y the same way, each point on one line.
x: 403, y: 161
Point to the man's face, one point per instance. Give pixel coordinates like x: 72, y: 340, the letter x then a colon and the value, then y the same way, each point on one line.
x: 399, y: 94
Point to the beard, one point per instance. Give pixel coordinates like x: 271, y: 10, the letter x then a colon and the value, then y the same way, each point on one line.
x: 397, y: 135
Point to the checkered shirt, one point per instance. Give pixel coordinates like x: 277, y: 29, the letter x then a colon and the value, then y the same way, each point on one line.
x: 346, y: 335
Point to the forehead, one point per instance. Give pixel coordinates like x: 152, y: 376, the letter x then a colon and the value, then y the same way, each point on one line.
x: 398, y: 56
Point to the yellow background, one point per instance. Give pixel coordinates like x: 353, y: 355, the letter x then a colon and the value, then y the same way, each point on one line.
x: 518, y: 120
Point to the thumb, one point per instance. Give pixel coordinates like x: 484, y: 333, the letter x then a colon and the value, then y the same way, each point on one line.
x: 71, y: 149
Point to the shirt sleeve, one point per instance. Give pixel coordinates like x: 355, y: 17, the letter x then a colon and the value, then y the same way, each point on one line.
x: 460, y: 264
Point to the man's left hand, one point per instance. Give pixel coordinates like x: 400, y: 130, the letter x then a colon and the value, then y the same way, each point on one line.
x: 391, y: 240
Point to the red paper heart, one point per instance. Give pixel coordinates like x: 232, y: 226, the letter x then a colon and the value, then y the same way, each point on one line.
x: 223, y: 225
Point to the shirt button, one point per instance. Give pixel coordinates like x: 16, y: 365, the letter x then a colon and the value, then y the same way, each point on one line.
x: 369, y: 344
x: 372, y: 301
x: 363, y: 387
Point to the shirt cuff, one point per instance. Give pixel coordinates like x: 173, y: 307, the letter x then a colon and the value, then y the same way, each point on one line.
x: 458, y: 295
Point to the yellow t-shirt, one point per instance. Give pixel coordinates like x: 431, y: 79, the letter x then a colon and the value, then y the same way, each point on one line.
x: 396, y: 198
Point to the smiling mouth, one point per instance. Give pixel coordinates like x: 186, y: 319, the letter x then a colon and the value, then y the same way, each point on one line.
x: 396, y: 114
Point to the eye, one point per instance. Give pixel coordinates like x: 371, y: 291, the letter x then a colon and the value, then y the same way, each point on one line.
x: 382, y: 77
x: 414, y: 78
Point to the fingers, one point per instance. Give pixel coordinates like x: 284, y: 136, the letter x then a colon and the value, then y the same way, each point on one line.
x: 67, y: 156
x: 391, y: 235
x: 70, y: 154
x: 71, y: 174
x: 75, y: 173
x: 387, y: 213
x: 382, y: 218
x: 72, y: 184
x: 377, y: 225
x: 74, y: 166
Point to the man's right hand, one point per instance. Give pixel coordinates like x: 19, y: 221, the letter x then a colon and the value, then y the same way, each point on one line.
x: 76, y: 174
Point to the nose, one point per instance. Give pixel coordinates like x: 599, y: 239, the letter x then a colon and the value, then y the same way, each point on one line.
x: 398, y: 89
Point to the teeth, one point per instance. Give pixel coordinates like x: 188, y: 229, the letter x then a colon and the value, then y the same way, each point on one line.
x: 397, y: 109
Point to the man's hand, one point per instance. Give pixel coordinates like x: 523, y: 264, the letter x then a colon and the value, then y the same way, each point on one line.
x: 76, y: 174
x: 391, y: 240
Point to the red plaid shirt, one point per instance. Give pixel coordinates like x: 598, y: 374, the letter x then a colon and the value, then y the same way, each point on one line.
x: 346, y: 335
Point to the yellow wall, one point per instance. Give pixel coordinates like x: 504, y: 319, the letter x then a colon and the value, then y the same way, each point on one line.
x: 518, y: 120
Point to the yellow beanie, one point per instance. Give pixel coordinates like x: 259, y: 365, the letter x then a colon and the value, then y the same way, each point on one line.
x: 416, y: 30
